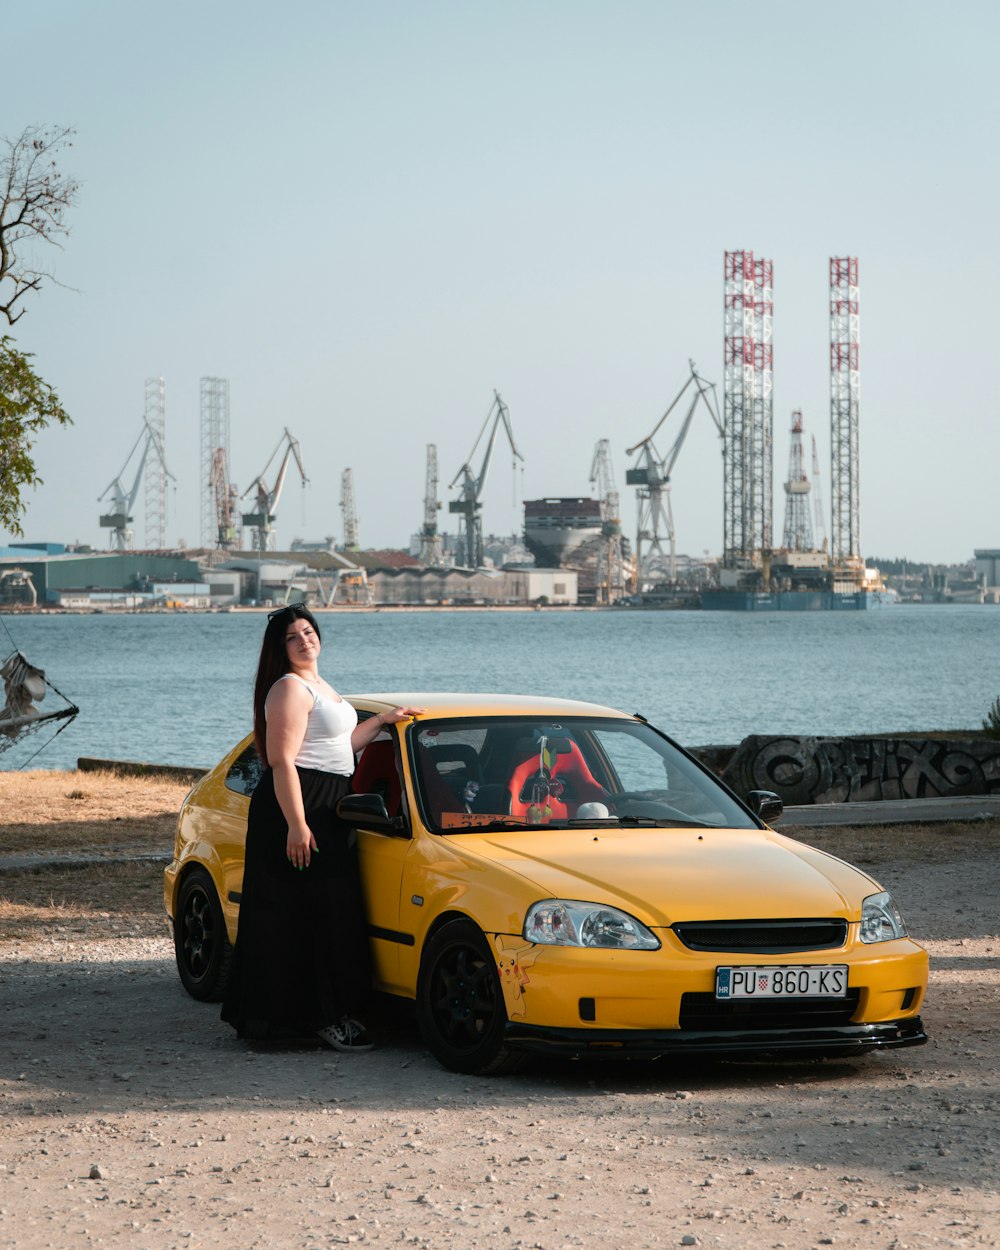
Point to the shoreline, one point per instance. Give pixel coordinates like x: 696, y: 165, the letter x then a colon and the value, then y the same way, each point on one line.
x: 350, y: 608
x: 19, y: 609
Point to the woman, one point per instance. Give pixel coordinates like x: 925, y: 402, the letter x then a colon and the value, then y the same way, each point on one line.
x: 300, y: 965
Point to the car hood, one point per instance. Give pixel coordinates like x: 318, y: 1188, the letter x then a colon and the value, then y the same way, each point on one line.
x: 662, y: 876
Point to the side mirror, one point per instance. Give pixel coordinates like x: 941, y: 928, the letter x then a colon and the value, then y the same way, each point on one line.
x: 765, y: 804
x: 367, y: 811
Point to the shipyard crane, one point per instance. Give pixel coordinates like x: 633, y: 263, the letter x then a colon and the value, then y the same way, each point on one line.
x: 266, y: 501
x: 119, y: 518
x: 610, y: 578
x: 653, y: 471
x: 227, y: 512
x: 469, y: 505
x: 431, y: 552
x: 349, y: 510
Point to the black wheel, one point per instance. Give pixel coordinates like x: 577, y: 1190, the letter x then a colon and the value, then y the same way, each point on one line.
x: 201, y: 943
x: 460, y: 1003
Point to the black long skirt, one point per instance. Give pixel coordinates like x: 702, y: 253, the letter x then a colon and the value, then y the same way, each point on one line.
x: 301, y: 958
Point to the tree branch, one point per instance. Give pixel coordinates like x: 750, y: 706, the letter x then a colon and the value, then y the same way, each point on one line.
x: 36, y: 197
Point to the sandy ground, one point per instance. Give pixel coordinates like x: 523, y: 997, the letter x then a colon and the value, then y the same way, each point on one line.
x: 129, y: 1116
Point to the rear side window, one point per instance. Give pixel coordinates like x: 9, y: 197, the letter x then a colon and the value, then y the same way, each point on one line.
x: 245, y: 771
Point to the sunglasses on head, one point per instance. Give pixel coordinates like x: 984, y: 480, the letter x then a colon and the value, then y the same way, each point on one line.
x: 289, y: 608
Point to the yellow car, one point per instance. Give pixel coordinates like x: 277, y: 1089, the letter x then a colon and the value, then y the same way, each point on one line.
x: 555, y: 877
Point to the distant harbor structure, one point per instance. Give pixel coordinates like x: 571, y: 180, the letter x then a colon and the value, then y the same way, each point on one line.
x: 567, y: 550
x: 583, y: 535
x: 756, y: 573
x: 562, y: 532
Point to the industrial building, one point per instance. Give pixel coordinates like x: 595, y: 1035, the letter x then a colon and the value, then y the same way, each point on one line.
x: 87, y: 579
x: 474, y: 587
x: 988, y: 575
x: 54, y: 577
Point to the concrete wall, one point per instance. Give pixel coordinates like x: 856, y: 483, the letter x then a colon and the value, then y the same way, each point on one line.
x: 845, y: 770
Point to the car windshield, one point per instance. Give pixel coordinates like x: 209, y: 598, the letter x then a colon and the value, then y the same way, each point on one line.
x: 503, y: 772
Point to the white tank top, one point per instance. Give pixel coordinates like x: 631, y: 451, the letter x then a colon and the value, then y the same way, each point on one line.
x: 327, y: 741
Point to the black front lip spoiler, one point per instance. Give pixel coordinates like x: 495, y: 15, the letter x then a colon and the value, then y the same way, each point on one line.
x: 852, y: 1039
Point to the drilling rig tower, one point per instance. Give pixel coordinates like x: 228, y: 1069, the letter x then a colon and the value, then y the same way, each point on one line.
x: 748, y: 415
x: 845, y: 404
x: 798, y: 535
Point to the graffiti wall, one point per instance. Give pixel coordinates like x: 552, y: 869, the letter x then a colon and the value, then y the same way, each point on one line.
x: 846, y: 770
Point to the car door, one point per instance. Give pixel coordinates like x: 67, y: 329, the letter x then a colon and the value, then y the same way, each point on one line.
x: 383, y: 856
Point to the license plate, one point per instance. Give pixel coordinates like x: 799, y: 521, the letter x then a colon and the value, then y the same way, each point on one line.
x: 812, y: 981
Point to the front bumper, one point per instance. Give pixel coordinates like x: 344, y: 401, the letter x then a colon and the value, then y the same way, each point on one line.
x: 846, y: 1041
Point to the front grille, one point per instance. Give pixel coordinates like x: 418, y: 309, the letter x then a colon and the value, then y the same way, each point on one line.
x: 705, y: 1013
x: 762, y: 937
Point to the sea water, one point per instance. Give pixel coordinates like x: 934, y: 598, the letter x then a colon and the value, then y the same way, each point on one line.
x: 176, y: 688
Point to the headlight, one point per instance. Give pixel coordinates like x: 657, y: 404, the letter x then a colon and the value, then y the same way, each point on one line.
x: 564, y: 922
x: 880, y: 919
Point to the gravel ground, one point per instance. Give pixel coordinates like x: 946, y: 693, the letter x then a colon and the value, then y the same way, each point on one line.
x: 130, y: 1116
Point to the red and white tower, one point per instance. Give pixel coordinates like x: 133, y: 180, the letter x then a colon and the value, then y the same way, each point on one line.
x: 762, y: 437
x: 738, y: 406
x: 845, y: 404
x: 798, y: 535
x: 748, y: 409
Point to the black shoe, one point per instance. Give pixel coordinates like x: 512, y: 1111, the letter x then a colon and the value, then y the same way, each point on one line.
x: 346, y: 1035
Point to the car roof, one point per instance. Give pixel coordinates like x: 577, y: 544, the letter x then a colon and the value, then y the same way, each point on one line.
x: 453, y: 704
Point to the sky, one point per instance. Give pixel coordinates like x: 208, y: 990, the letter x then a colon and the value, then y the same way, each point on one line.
x: 367, y: 217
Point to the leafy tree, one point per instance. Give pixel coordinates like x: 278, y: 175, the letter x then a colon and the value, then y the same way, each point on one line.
x: 27, y: 406
x: 34, y: 198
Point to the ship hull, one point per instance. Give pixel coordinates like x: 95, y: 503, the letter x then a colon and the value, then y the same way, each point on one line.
x: 794, y: 600
x: 562, y: 532
x: 561, y: 548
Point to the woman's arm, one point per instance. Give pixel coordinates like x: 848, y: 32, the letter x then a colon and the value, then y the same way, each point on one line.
x: 288, y: 707
x: 368, y: 730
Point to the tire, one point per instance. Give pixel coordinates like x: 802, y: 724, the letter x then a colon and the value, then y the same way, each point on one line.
x: 460, y: 1003
x: 201, y: 943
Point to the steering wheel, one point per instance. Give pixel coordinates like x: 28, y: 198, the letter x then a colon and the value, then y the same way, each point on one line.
x: 650, y: 803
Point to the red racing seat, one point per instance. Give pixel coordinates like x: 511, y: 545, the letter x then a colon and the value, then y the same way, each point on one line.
x: 538, y: 795
x: 376, y: 773
x: 578, y: 781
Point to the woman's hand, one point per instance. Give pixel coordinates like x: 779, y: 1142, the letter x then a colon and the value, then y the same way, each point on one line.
x: 368, y: 730
x: 400, y: 713
x: 300, y: 845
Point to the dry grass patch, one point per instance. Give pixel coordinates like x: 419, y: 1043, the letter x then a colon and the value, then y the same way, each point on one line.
x: 113, y: 900
x: 62, y: 811
x: 866, y: 845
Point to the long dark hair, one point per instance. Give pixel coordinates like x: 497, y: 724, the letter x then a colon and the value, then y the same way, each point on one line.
x: 273, y: 663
